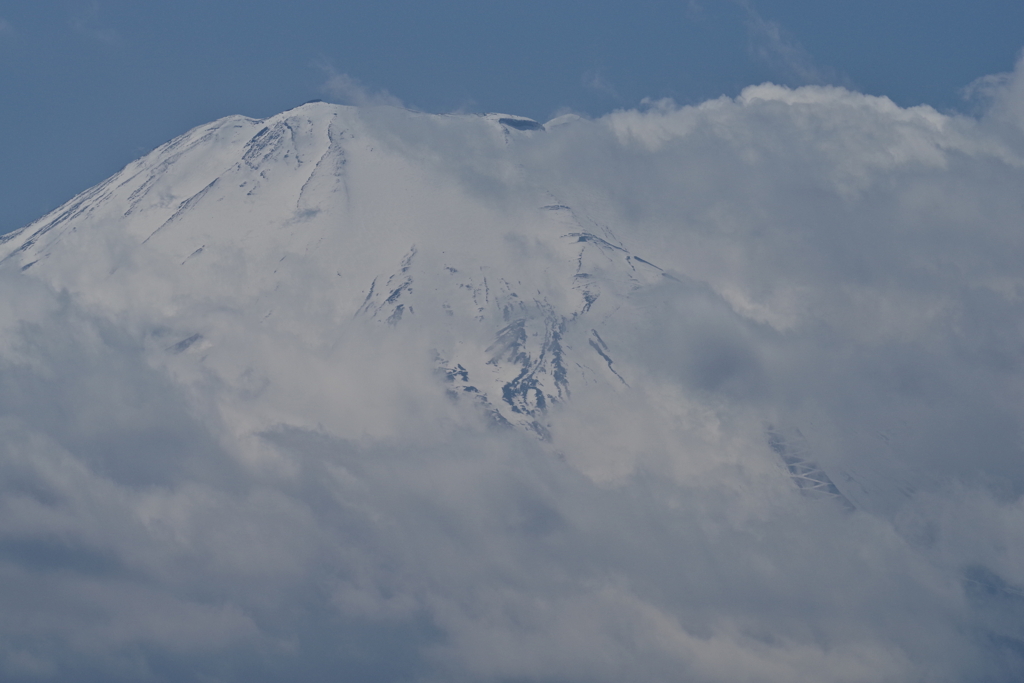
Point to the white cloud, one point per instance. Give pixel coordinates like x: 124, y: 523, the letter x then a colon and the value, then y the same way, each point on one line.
x: 1006, y: 95
x: 292, y: 495
x: 345, y: 89
x: 594, y: 80
x: 770, y: 44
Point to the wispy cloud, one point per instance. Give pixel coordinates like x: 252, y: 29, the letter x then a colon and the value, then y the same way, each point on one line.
x: 595, y: 80
x: 345, y: 89
x: 771, y: 44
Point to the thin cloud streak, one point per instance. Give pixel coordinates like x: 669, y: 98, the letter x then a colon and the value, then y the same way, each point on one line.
x: 771, y: 45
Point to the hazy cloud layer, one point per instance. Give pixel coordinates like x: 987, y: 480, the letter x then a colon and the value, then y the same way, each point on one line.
x: 840, y: 269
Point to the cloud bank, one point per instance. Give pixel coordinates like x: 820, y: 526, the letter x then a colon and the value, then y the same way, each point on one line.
x: 291, y: 494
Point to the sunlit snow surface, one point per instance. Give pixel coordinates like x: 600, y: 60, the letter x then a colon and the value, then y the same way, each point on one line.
x: 717, y: 393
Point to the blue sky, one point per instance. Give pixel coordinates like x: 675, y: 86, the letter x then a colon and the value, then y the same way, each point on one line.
x: 88, y: 86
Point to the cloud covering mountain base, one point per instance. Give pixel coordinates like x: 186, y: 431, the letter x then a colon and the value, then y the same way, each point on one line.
x: 367, y: 394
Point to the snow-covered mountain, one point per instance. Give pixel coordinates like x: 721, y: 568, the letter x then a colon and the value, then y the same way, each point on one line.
x: 716, y: 393
x: 297, y: 227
